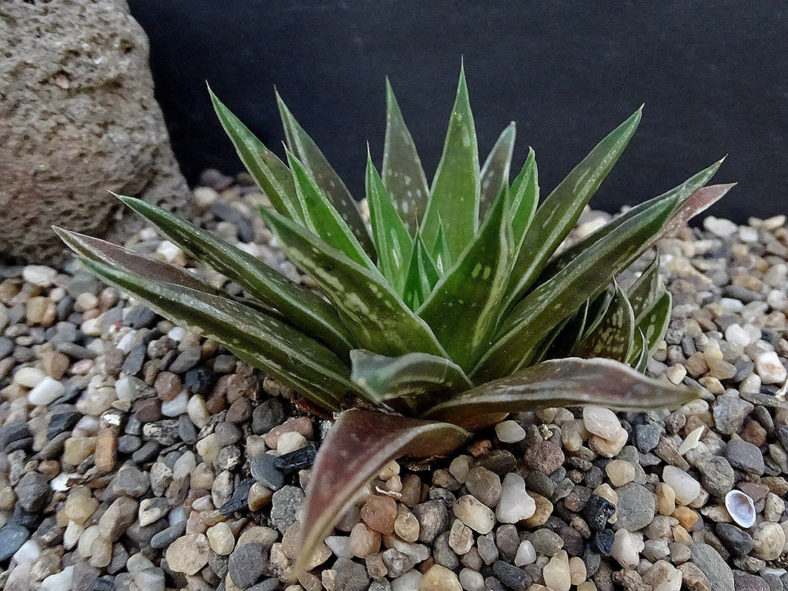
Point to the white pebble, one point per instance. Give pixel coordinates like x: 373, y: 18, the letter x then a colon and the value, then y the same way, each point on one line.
x: 408, y: 581
x: 770, y: 368
x: 176, y: 333
x: 29, y: 377
x: 170, y: 251
x: 59, y: 581
x: 47, y: 391
x: 28, y: 553
x: 340, y: 546
x: 138, y: 562
x: 509, y: 432
x: 198, y: 412
x: 626, y: 548
x: 601, y: 421
x: 692, y: 440
x: 777, y: 299
x: 71, y: 535
x: 471, y: 580
x: 290, y: 441
x: 177, y: 406
x: 184, y: 465
x: 39, y: 275
x: 526, y: 554
x: 556, y: 572
x: 685, y: 486
x: 515, y: 504
x: 92, y: 327
x: 60, y: 482
x: 719, y: 226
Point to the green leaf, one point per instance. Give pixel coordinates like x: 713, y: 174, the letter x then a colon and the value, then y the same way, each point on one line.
x: 455, y: 189
x: 440, y: 250
x: 613, y: 337
x: 327, y: 179
x: 276, y: 348
x: 304, y: 309
x: 321, y: 216
x: 415, y: 374
x: 641, y: 354
x: 392, y: 239
x: 463, y: 307
x: 556, y: 217
x: 561, y: 382
x: 524, y: 197
x: 495, y: 171
x: 584, y: 277
x: 679, y: 196
x: 269, y: 173
x: 368, y: 306
x: 645, y: 289
x: 654, y: 323
x: 403, y: 175
x: 421, y: 277
x: 569, y: 334
x: 359, y: 444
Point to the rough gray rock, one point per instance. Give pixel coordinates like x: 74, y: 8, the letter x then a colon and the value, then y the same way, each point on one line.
x: 77, y: 118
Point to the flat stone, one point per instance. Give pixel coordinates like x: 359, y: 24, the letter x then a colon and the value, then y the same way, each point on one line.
x: 247, y: 564
x: 713, y: 566
x: 744, y: 456
x: 12, y: 537
x: 474, y: 514
x: 189, y: 553
x: 433, y: 520
x: 512, y: 577
x: 264, y: 470
x: 300, y: 459
x: 485, y: 485
x: 636, y: 506
x: 717, y: 475
x: 284, y: 504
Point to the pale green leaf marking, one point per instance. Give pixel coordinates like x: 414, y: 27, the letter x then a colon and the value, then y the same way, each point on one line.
x: 403, y: 174
x: 614, y: 336
x: 440, y: 251
x: 421, y: 277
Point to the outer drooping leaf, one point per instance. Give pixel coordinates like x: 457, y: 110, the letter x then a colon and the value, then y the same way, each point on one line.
x: 402, y: 172
x: 495, y: 171
x: 561, y: 382
x: 524, y: 198
x: 699, y: 201
x: 584, y: 277
x: 556, y: 217
x: 304, y: 309
x: 327, y: 179
x: 280, y: 350
x: 454, y: 196
x: 391, y: 237
x: 321, y: 216
x: 370, y: 308
x: 358, y: 446
x: 421, y: 276
x: 678, y: 197
x: 614, y: 336
x: 415, y: 374
x: 463, y: 307
x: 270, y: 173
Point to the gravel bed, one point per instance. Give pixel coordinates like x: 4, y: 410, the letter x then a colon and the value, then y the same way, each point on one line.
x: 136, y: 456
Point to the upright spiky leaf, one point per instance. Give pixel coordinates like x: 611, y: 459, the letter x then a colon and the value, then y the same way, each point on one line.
x: 440, y: 250
x: 495, y: 172
x: 556, y: 217
x: 391, y: 237
x: 271, y: 175
x: 326, y: 177
x: 654, y: 323
x: 560, y: 382
x: 321, y: 216
x: 455, y: 189
x: 359, y: 445
x: 421, y: 276
x: 370, y: 308
x: 265, y: 342
x: 645, y: 289
x: 462, y: 309
x: 614, y: 336
x: 304, y: 309
x: 524, y: 198
x: 403, y: 175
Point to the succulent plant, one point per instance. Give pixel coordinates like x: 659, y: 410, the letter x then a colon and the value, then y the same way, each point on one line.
x: 458, y: 309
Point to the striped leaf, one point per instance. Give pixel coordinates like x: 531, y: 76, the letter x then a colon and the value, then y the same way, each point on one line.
x: 440, y: 251
x: 524, y: 197
x: 644, y: 291
x: 495, y: 171
x: 421, y: 276
x: 561, y: 382
x: 268, y: 171
x: 412, y: 375
x: 304, y: 309
x: 463, y: 307
x: 357, y: 447
x: 454, y: 197
x: 614, y: 336
x: 392, y: 239
x: 403, y: 175
x: 327, y: 179
x: 654, y: 323
x: 265, y: 342
x: 584, y: 277
x: 321, y: 216
x: 556, y: 217
x: 370, y: 308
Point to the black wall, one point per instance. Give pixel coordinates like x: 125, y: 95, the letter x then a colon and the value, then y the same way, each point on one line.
x: 713, y: 75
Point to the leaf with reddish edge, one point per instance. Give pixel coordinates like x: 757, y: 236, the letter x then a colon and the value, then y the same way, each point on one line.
x: 360, y: 443
x: 561, y: 382
x: 698, y: 202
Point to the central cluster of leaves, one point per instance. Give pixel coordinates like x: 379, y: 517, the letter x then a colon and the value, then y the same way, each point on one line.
x: 454, y: 311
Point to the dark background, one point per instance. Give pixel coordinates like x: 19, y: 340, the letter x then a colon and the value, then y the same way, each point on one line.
x: 713, y: 76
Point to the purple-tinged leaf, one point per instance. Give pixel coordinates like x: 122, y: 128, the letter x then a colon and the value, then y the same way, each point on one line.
x: 561, y: 382
x: 360, y: 443
x: 699, y: 201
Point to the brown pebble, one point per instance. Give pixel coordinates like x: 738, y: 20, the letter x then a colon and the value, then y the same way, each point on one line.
x: 544, y: 456
x: 686, y: 516
x: 363, y: 541
x: 54, y: 364
x: 106, y: 446
x: 240, y: 411
x: 544, y: 508
x: 300, y: 425
x: 379, y: 513
x: 167, y: 385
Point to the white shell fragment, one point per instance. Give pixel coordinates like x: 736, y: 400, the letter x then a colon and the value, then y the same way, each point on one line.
x: 741, y: 508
